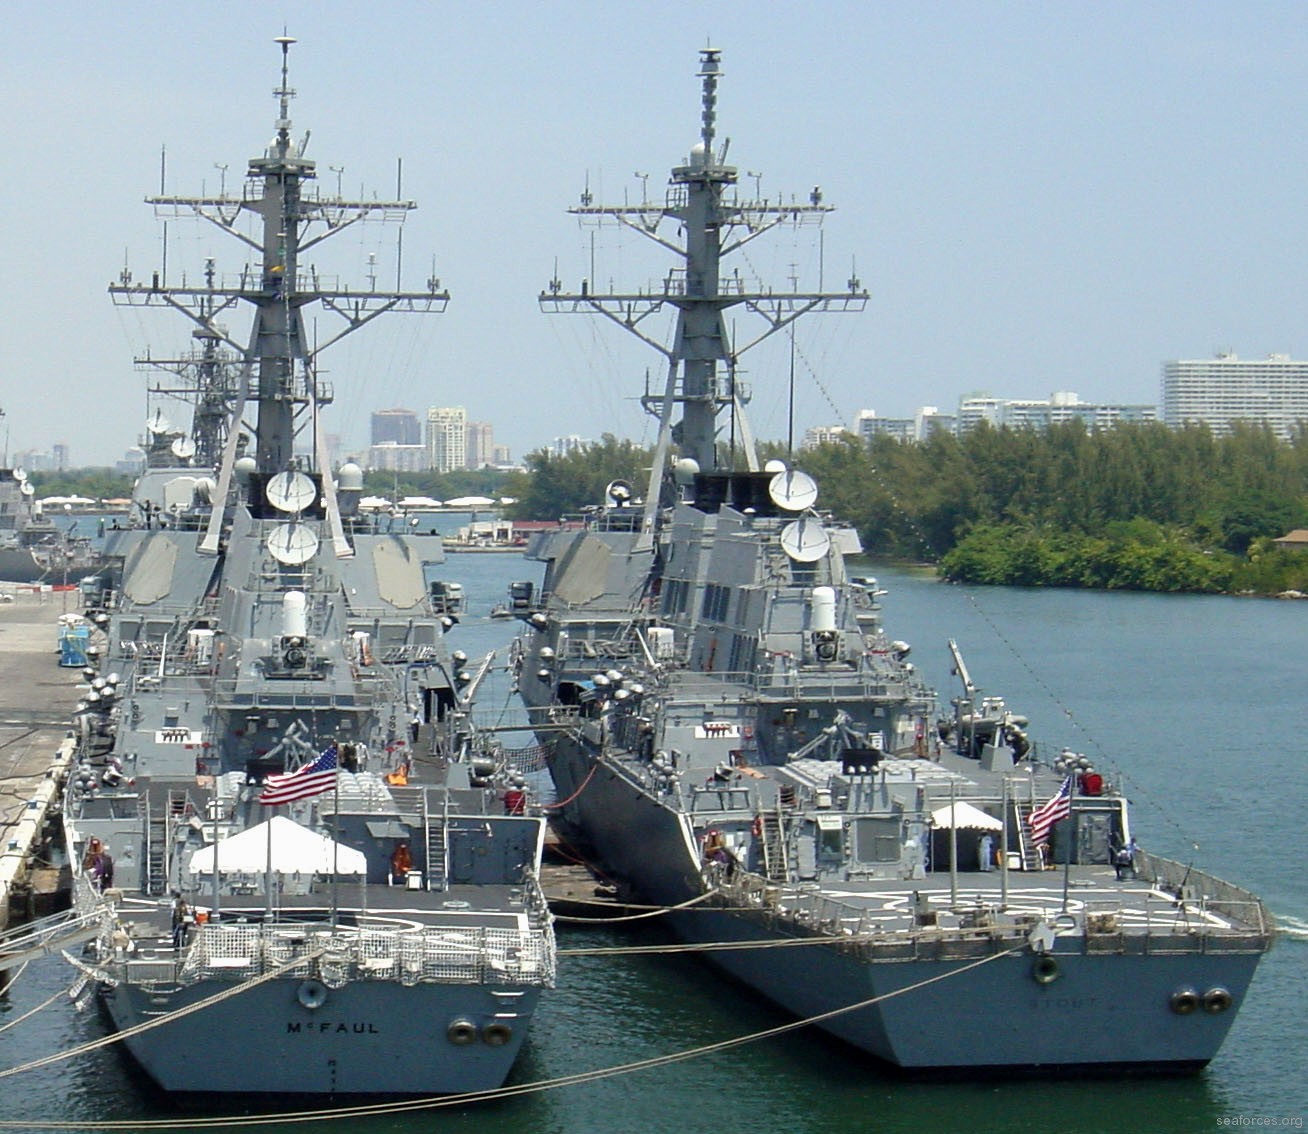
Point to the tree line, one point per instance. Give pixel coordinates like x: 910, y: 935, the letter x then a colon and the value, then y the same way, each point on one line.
x: 1140, y: 506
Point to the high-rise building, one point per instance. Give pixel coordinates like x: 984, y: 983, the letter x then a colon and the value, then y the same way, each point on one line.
x: 447, y: 438
x: 398, y: 458
x: 573, y: 443
x: 397, y: 427
x: 1031, y: 413
x: 480, y: 447
x: 1222, y: 390
x: 822, y: 435
x: 919, y: 427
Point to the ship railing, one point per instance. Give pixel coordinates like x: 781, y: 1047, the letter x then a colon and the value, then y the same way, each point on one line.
x: 844, y: 686
x: 236, y: 692
x: 727, y: 797
x: 1153, y: 926
x: 387, y: 613
x: 597, y: 650
x: 1205, y: 892
x: 339, y: 955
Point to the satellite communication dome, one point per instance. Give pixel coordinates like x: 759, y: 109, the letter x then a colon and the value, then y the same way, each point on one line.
x: 685, y: 470
x: 350, y: 477
x: 775, y: 466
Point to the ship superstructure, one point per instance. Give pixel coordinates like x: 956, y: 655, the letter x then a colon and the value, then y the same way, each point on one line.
x: 315, y: 874
x: 736, y: 735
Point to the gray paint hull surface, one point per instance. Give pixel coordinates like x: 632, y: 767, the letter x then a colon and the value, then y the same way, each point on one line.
x: 1104, y: 1010
x: 368, y: 1037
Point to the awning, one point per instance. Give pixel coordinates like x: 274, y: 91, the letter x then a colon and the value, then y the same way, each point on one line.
x: 965, y: 816
x: 295, y: 850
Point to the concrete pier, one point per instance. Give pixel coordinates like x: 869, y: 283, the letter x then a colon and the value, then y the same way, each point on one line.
x: 37, y: 699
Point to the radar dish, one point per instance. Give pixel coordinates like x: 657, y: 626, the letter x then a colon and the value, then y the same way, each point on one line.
x: 805, y: 540
x: 158, y: 424
x: 292, y: 544
x: 20, y: 474
x: 618, y: 493
x: 793, y: 490
x: 290, y: 492
x: 183, y: 448
x: 28, y: 489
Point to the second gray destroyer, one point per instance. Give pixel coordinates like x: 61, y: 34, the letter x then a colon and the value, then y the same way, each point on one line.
x: 739, y: 739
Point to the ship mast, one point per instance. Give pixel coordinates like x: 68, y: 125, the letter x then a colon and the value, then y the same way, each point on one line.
x: 277, y: 362
x: 703, y: 204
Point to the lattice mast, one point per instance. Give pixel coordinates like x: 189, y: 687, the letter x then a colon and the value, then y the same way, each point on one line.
x: 277, y: 362
x: 713, y: 222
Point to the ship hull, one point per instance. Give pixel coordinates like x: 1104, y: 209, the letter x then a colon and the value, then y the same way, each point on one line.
x: 1109, y: 1012
x: 365, y: 1038
x: 18, y: 565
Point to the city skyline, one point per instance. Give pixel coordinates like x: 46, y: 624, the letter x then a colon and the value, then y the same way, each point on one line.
x: 1217, y: 391
x: 1037, y: 198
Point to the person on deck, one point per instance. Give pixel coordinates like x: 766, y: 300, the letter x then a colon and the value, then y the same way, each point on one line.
x: 401, y: 862
x: 181, y: 917
x: 1124, y: 861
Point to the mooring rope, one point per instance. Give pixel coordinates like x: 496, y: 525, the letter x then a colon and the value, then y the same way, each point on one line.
x: 194, y: 1122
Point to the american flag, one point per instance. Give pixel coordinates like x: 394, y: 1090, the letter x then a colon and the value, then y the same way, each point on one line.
x: 312, y: 779
x: 1047, y: 814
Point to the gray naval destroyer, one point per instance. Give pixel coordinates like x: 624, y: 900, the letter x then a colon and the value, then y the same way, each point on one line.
x: 309, y: 871
x: 739, y: 740
x: 33, y: 548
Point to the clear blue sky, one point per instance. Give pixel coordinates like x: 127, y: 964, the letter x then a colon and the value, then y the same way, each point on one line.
x: 1039, y: 196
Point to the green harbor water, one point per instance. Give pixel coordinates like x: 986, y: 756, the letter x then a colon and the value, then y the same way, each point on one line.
x: 1198, y: 704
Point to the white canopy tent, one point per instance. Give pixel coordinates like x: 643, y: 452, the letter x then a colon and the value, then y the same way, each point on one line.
x: 964, y: 817
x: 294, y: 850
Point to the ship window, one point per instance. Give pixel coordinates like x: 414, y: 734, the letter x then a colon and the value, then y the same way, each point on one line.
x: 831, y: 837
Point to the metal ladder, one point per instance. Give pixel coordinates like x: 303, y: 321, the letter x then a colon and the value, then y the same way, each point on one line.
x: 155, y: 880
x: 437, y: 847
x: 775, y: 866
x: 1030, y: 855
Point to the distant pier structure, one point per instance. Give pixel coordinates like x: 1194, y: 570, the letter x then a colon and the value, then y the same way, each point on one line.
x: 37, y: 701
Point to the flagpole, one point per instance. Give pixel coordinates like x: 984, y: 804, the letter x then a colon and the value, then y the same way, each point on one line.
x: 1003, y: 848
x: 336, y: 830
x: 267, y: 863
x: 214, y: 809
x: 1071, y: 838
x: 953, y: 846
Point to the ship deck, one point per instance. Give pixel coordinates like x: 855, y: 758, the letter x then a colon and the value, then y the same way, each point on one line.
x: 459, y: 908
x: 893, y: 906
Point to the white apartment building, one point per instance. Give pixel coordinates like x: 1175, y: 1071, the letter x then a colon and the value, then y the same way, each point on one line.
x: 919, y: 427
x: 447, y: 438
x: 1222, y: 390
x: 1061, y: 406
x: 822, y: 435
